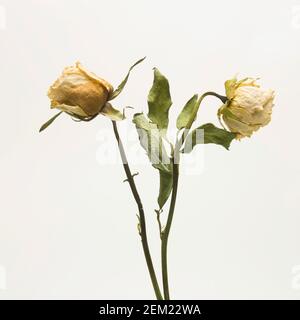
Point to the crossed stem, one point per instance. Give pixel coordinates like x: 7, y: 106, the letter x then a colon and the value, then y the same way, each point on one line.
x: 142, y: 221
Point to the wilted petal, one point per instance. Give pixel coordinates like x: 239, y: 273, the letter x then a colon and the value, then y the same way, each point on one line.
x: 79, y: 92
x: 249, y: 107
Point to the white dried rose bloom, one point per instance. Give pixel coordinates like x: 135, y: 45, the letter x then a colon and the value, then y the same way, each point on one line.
x: 248, y: 107
x: 79, y: 92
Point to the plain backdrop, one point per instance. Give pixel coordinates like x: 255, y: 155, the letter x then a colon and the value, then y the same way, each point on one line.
x: 67, y: 220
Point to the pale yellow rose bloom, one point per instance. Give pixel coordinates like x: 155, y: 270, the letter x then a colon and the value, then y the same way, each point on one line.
x: 248, y: 107
x: 79, y: 92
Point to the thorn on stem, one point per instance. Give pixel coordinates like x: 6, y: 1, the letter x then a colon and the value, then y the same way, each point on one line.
x: 135, y: 174
x: 139, y: 229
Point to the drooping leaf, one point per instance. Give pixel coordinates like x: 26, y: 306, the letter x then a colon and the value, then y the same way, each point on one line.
x: 112, y: 113
x: 123, y: 83
x: 159, y: 101
x: 208, y: 133
x: 165, y: 187
x: 49, y: 122
x: 152, y: 141
x: 188, y: 114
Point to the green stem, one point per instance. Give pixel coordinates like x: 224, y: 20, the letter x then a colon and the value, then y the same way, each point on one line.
x: 166, y: 232
x: 214, y: 94
x: 143, y: 231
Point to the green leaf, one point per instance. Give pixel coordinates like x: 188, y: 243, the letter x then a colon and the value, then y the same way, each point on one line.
x: 165, y: 187
x: 112, y: 113
x: 123, y: 83
x: 188, y: 114
x: 159, y: 101
x: 212, y: 134
x: 151, y: 140
x: 47, y: 124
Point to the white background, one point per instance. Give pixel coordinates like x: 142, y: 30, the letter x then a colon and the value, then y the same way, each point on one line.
x: 68, y: 223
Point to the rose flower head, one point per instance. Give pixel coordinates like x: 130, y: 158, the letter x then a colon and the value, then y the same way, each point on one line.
x: 248, y: 107
x: 79, y: 92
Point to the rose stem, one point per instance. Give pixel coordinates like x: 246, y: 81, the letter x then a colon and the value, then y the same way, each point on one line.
x: 165, y: 234
x: 166, y: 231
x: 143, y: 231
